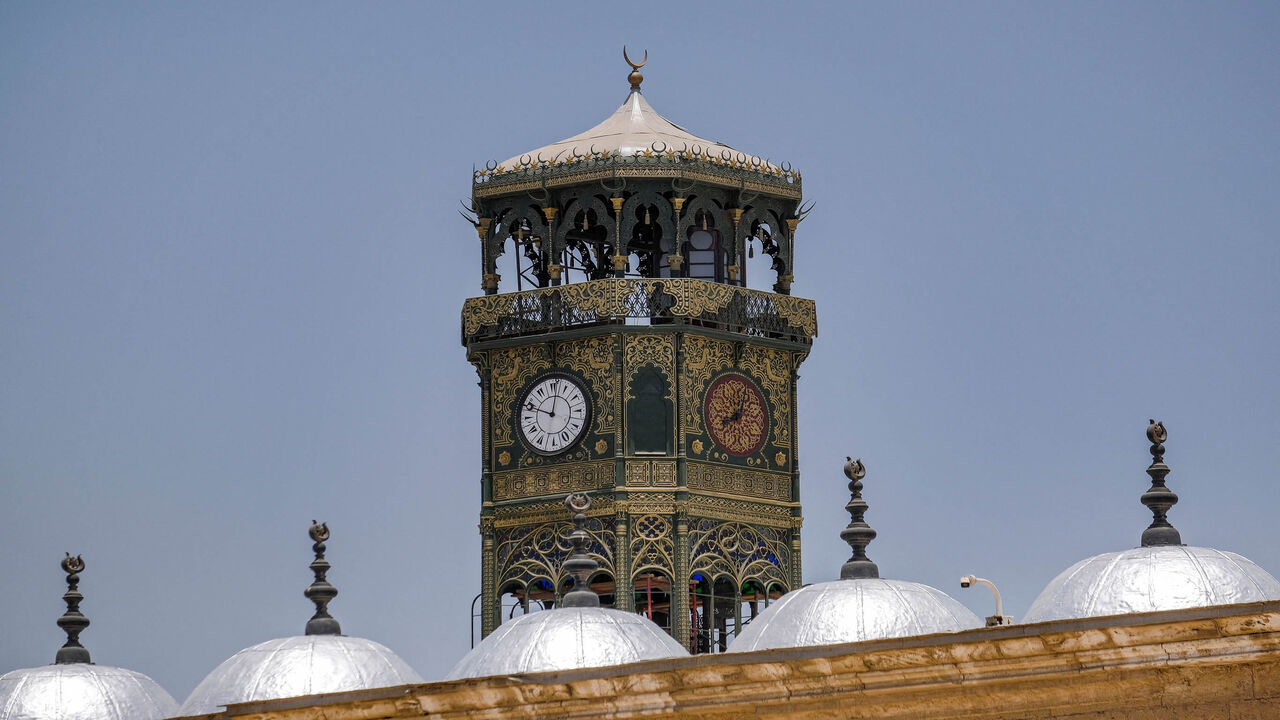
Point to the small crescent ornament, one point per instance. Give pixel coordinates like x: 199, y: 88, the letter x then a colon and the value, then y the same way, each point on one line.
x: 1156, y: 432
x: 71, y: 565
x: 578, y: 502
x: 633, y: 65
x: 854, y: 469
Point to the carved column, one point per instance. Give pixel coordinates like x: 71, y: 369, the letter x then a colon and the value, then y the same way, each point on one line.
x: 623, y: 593
x: 490, y: 607
x: 681, y: 627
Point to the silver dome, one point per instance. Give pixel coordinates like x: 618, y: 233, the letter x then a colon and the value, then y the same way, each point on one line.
x: 81, y: 691
x: 300, y: 665
x: 853, y: 610
x: 1147, y: 579
x: 567, y: 638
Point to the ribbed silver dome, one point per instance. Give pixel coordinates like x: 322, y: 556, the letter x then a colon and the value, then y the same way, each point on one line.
x: 81, y: 691
x: 300, y: 665
x: 843, y: 611
x: 1147, y: 579
x: 567, y: 638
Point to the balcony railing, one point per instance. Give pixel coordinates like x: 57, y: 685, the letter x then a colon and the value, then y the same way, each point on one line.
x: 640, y: 302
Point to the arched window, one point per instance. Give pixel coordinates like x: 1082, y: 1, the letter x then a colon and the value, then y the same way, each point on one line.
x: 702, y: 256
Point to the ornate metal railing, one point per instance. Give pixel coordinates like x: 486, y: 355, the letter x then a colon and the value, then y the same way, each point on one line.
x: 734, y: 169
x: 639, y: 301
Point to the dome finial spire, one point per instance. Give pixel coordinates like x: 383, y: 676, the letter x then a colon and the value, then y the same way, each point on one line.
x: 1159, y: 498
x: 579, y: 564
x: 858, y: 533
x: 320, y: 591
x: 635, y: 78
x: 72, y: 621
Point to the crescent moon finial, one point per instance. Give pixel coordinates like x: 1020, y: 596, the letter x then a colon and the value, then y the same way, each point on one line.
x: 635, y: 78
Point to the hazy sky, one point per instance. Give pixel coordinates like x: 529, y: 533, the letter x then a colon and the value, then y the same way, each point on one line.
x: 231, y: 270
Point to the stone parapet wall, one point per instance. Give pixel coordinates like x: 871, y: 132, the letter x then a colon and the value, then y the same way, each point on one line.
x: 1205, y: 663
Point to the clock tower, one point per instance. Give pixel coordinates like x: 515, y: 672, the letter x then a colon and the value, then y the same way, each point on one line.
x: 631, y: 361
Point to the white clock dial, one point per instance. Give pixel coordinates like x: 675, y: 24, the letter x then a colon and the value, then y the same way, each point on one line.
x: 553, y: 414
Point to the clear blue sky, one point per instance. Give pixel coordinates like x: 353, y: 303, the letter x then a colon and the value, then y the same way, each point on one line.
x: 231, y: 269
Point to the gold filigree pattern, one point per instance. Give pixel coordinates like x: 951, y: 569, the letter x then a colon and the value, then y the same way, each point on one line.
x: 512, y: 367
x: 703, y: 356
x: 620, y: 297
x: 651, y: 544
x: 592, y: 358
x: 537, y: 553
x: 652, y: 502
x: 656, y: 350
x: 778, y: 516
x: 740, y: 551
x: 639, y: 474
x: 730, y: 480
x: 556, y: 480
x: 651, y: 473
x: 664, y: 473
x: 773, y: 367
x: 737, y: 416
x: 533, y: 513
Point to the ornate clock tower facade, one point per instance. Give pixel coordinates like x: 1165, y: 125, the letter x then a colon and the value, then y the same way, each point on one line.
x: 632, y: 362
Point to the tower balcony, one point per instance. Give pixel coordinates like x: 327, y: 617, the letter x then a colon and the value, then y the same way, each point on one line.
x: 639, y: 301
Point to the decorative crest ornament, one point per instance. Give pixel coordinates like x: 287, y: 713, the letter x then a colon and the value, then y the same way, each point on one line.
x: 320, y: 591
x: 1159, y: 498
x: 72, y: 621
x: 579, y: 564
x: 635, y: 78
x: 858, y: 533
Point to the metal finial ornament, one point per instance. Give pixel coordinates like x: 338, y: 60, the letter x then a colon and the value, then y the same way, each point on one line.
x: 635, y: 78
x: 1159, y: 498
x: 858, y: 533
x: 579, y: 564
x: 320, y: 591
x: 72, y: 621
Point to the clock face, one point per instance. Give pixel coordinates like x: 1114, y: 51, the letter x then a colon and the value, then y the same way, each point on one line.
x: 553, y: 414
x: 736, y: 415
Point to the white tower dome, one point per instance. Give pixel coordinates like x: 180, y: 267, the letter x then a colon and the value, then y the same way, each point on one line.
x: 321, y: 661
x: 860, y: 605
x: 1162, y: 574
x: 75, y: 689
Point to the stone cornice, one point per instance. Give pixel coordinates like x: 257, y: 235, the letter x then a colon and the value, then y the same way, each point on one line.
x: 1175, y: 664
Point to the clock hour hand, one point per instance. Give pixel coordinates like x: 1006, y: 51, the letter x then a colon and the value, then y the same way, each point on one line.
x: 530, y: 406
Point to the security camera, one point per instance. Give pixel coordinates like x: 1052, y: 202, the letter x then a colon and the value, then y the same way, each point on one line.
x: 999, y: 618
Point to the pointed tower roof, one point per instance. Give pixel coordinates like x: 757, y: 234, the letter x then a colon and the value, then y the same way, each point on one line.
x: 637, y: 141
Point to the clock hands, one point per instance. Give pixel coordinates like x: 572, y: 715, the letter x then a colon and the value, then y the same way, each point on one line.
x: 552, y: 412
x: 737, y: 414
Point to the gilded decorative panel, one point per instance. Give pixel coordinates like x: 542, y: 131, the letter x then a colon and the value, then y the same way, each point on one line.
x: 703, y: 357
x: 639, y: 474
x: 664, y: 473
x: 651, y: 502
x: 512, y: 368
x: 532, y: 513
x: 592, y: 358
x: 656, y: 350
x: 778, y: 516
x: 772, y: 367
x: 709, y: 477
x: 554, y: 480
